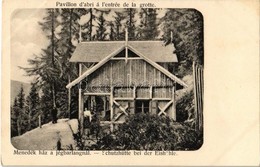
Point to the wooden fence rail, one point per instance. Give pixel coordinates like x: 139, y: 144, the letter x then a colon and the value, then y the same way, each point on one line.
x: 198, y: 77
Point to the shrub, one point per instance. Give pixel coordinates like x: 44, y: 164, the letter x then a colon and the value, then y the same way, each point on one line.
x: 184, y: 106
x: 151, y: 132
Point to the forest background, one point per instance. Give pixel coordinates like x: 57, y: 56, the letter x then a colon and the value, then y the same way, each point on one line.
x: 49, y: 71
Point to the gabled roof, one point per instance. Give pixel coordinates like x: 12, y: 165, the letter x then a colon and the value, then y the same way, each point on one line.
x: 107, y: 58
x: 98, y: 50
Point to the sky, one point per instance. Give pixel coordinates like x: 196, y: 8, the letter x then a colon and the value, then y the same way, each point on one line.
x: 27, y: 39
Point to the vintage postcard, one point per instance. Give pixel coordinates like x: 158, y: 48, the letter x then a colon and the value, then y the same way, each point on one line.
x: 99, y: 83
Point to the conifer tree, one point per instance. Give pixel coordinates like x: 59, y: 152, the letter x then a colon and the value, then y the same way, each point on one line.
x: 102, y: 24
x: 32, y: 107
x: 45, y: 104
x: 130, y: 22
x: 87, y: 28
x: 186, y: 26
x: 20, y: 112
x: 14, y: 118
x: 69, y: 33
x: 112, y: 34
x: 147, y: 29
x: 119, y: 31
x: 47, y: 67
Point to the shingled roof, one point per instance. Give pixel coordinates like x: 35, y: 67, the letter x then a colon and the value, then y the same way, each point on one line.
x: 97, y: 51
x: 115, y: 52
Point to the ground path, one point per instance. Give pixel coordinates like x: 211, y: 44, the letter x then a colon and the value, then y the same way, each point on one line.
x: 46, y: 138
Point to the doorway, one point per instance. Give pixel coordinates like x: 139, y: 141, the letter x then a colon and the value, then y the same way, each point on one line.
x: 98, y: 105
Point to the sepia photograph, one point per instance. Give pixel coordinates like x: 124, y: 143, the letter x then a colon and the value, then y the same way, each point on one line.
x: 130, y: 83
x: 107, y: 79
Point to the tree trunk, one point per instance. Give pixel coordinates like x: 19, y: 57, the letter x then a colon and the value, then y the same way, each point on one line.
x: 117, y: 33
x: 69, y: 98
x: 69, y: 80
x: 30, y: 117
x: 90, y: 24
x: 130, y: 26
x: 52, y: 36
x: 52, y: 53
x: 53, y: 95
x: 40, y: 121
x: 18, y: 122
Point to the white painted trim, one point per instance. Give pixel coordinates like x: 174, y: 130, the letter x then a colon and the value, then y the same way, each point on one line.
x: 94, y: 68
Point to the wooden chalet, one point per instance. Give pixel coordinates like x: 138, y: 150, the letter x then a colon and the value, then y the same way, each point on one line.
x: 121, y: 78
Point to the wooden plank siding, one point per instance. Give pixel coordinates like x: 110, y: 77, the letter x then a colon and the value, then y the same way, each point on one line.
x: 126, y: 82
x: 130, y: 73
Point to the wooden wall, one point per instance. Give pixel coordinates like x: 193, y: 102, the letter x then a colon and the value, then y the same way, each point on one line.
x: 124, y: 82
x: 134, y: 72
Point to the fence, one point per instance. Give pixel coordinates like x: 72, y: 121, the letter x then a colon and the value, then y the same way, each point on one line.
x: 198, y: 94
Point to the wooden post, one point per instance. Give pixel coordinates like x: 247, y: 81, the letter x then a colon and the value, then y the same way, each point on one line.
x: 198, y: 96
x: 151, y: 92
x: 81, y: 114
x: 195, y: 96
x: 145, y: 79
x: 80, y: 34
x: 80, y: 106
x: 126, y: 45
x: 93, y: 103
x: 173, y: 103
x: 104, y: 106
x: 134, y: 92
x: 171, y: 36
x: 130, y: 73
x: 111, y: 108
x: 40, y: 122
x: 69, y: 101
x: 202, y: 96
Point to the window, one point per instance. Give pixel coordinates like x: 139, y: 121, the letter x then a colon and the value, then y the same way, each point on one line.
x: 142, y: 106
